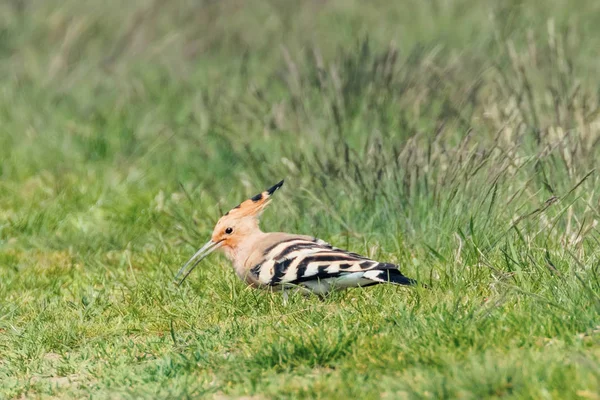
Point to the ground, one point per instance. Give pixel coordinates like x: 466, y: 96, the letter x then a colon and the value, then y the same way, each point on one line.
x: 458, y: 139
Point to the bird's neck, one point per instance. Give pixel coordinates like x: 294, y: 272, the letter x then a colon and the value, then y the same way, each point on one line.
x: 239, y: 253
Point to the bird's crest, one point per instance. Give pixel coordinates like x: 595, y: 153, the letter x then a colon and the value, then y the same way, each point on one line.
x: 255, y: 205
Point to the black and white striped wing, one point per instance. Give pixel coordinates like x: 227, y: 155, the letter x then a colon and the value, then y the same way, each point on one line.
x: 304, y: 262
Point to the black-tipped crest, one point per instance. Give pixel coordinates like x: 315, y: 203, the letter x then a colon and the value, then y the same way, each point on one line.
x: 256, y: 198
x: 261, y: 200
x: 271, y: 190
x: 267, y: 193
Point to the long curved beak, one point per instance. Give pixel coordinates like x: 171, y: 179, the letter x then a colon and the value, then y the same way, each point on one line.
x: 196, y: 258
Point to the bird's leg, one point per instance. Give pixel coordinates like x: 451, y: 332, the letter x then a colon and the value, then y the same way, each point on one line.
x: 285, y: 297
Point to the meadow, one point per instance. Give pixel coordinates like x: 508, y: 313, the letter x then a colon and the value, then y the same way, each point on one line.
x: 458, y: 139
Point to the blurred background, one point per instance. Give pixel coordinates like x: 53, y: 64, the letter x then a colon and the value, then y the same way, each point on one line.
x: 457, y: 138
x: 110, y: 105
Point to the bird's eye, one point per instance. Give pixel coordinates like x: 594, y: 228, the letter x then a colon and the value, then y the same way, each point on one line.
x: 229, y: 231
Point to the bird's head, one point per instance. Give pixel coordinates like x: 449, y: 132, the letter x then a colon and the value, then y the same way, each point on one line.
x: 231, y: 229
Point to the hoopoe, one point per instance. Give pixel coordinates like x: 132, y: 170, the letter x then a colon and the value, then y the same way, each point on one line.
x: 279, y: 260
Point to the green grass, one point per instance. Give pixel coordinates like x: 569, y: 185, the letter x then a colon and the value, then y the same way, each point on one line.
x: 459, y: 139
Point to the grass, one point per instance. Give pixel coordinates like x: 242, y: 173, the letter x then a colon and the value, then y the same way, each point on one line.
x: 458, y: 139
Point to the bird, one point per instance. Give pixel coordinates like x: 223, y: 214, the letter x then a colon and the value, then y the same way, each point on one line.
x: 277, y: 260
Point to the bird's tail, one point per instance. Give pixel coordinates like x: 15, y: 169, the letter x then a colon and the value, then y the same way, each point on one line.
x: 396, y: 277
x: 389, y: 275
